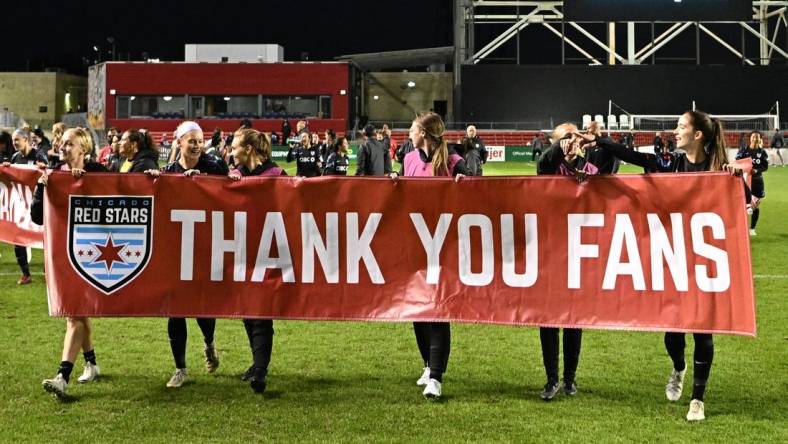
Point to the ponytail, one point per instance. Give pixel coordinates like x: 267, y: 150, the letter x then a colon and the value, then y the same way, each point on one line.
x: 433, y: 127
x: 713, y: 138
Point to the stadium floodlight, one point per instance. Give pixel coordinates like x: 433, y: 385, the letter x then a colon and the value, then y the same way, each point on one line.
x: 375, y: 97
x: 226, y: 98
x: 133, y: 98
x: 167, y: 98
x: 411, y: 84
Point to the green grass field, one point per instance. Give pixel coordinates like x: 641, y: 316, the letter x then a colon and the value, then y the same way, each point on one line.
x: 355, y: 382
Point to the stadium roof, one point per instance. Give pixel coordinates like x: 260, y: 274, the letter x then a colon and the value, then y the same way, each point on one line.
x: 375, y: 61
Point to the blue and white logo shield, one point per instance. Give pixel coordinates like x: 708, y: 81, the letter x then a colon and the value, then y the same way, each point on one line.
x: 110, y: 238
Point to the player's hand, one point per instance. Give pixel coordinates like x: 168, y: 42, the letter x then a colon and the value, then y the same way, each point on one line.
x: 394, y: 175
x: 192, y: 172
x: 153, y: 173
x: 77, y: 172
x: 44, y: 179
x: 733, y: 169
x: 458, y: 177
x: 234, y: 176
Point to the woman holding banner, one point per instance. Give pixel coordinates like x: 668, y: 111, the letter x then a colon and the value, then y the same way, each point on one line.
x: 432, y: 158
x: 76, y: 146
x: 702, y: 140
x: 252, y: 154
x: 190, y: 143
x: 25, y: 155
x: 563, y: 158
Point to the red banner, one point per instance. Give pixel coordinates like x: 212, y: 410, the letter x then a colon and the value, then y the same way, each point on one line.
x: 653, y: 252
x: 17, y: 185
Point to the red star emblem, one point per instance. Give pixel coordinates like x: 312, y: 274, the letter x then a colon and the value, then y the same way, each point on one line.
x: 109, y: 253
x: 138, y: 254
x: 81, y: 253
x: 90, y: 252
x: 128, y: 253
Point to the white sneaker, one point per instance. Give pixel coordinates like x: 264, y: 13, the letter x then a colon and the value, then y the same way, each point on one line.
x: 178, y: 378
x: 425, y: 377
x: 56, y: 385
x: 675, y: 385
x: 696, y: 411
x: 433, y: 389
x: 91, y: 373
x: 752, y: 232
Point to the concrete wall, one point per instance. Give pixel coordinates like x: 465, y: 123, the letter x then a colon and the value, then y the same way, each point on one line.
x: 392, y: 90
x: 23, y: 93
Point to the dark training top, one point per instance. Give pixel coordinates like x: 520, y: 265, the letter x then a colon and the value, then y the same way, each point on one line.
x: 206, y: 164
x: 307, y: 160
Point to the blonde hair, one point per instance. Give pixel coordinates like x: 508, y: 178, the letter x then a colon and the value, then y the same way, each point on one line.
x: 433, y: 127
x: 58, y: 130
x: 82, y: 138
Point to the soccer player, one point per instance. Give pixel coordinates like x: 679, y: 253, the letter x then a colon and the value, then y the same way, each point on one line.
x: 76, y: 146
x: 432, y: 158
x: 306, y: 155
x: 562, y: 158
x: 25, y: 155
x: 702, y: 141
x: 193, y: 160
x: 252, y: 153
x: 337, y: 160
x: 760, y: 163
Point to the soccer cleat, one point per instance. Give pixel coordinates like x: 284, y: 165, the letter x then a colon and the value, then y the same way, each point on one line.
x: 56, y: 385
x: 178, y: 378
x: 696, y: 411
x: 248, y: 374
x: 675, y: 385
x: 570, y: 388
x: 24, y: 280
x: 433, y: 389
x: 257, y: 380
x: 752, y: 232
x: 425, y: 377
x: 211, y: 358
x: 91, y: 373
x: 550, y: 390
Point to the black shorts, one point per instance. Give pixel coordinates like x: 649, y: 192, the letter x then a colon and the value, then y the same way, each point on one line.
x: 758, y: 189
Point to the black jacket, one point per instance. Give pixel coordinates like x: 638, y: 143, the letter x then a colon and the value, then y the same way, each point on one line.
x: 479, y: 145
x: 374, y: 158
x: 37, y: 206
x: 206, y: 164
x: 144, y: 161
x: 652, y: 163
x: 32, y: 157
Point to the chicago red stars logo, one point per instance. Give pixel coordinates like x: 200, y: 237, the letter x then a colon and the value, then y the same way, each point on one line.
x: 109, y: 238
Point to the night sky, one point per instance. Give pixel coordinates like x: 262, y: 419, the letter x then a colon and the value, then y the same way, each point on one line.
x: 42, y: 34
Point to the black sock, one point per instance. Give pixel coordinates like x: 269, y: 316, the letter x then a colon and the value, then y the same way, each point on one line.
x: 21, y: 259
x: 756, y: 213
x: 207, y: 326
x: 90, y: 356
x: 704, y: 356
x: 436, y: 376
x: 675, y: 344
x: 65, y: 369
x: 550, y: 343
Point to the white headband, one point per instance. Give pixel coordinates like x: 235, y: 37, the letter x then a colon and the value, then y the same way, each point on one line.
x: 186, y: 127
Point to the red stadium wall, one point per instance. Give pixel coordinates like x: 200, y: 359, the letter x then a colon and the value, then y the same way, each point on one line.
x: 229, y: 79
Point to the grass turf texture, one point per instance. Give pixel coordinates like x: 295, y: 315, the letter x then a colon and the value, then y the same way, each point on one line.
x: 345, y: 381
